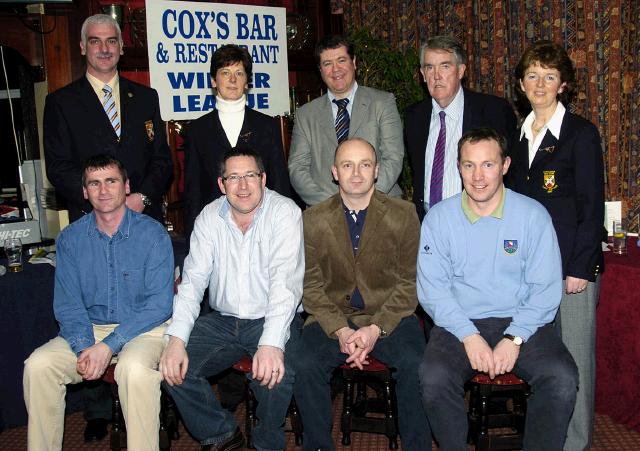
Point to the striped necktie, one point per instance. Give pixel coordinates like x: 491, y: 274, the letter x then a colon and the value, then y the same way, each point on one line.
x: 109, y: 105
x: 437, y: 170
x: 342, y: 119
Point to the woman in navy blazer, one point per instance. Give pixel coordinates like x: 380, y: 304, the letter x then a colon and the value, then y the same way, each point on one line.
x: 231, y: 124
x: 557, y: 160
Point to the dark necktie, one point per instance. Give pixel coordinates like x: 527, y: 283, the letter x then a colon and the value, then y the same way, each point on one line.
x: 437, y: 170
x: 342, y: 119
x: 109, y: 105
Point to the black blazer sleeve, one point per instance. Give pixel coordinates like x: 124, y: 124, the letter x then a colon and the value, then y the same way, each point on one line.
x: 589, y: 188
x: 275, y: 167
x: 192, y: 191
x: 63, y: 170
x: 159, y: 165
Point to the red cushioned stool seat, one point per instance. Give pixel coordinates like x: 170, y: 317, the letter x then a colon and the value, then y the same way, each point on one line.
x: 244, y: 365
x: 506, y: 422
x: 357, y: 415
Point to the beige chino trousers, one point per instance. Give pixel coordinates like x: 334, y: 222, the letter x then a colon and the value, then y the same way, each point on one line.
x: 53, y: 365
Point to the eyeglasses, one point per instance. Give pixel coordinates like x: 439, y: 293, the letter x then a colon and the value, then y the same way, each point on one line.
x: 548, y: 79
x: 248, y: 177
x: 226, y: 73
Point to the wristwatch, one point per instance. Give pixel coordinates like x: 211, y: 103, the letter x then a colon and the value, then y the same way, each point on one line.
x: 383, y: 333
x: 145, y: 199
x: 516, y: 340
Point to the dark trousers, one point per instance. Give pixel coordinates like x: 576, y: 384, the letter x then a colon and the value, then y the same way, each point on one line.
x: 97, y: 400
x: 215, y: 344
x: 317, y: 357
x: 543, y: 362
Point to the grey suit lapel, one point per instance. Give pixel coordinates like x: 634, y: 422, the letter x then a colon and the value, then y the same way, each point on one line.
x: 361, y: 103
x: 325, y: 117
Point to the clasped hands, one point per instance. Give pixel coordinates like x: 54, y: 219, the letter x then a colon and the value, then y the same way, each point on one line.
x: 267, y: 366
x: 499, y: 360
x: 357, y: 344
x: 93, y: 361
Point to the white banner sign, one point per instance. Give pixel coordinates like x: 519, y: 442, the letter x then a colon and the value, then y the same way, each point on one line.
x: 182, y: 36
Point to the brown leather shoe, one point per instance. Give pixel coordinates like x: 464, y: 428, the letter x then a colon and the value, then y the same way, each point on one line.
x: 236, y: 441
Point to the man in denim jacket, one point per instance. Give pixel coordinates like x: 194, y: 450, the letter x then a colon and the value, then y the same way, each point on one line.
x: 113, y: 295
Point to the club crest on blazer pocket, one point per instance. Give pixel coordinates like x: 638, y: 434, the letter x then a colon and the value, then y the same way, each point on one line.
x: 549, y: 181
x: 148, y: 125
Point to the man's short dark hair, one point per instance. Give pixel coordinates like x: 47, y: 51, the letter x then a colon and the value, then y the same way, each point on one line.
x: 363, y: 141
x: 229, y: 54
x: 102, y: 161
x: 483, y: 134
x: 446, y: 43
x: 240, y: 151
x: 332, y: 41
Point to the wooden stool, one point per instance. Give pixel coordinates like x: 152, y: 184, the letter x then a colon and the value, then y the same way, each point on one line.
x: 356, y: 414
x: 250, y: 403
x: 482, y: 418
x: 168, y: 416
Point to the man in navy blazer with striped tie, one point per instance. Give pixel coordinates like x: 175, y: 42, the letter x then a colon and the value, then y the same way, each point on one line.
x: 77, y: 126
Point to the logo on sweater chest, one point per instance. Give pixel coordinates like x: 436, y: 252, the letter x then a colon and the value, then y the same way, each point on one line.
x: 510, y: 246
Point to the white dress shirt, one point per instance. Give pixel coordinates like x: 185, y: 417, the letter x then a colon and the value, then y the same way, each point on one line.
x: 258, y: 274
x: 554, y: 125
x: 451, y: 182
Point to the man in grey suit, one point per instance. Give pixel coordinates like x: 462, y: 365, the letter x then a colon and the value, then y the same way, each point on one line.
x: 347, y: 110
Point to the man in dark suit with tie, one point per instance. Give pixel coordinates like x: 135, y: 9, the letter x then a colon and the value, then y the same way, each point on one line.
x: 104, y: 113
x: 433, y: 127
x: 346, y: 110
x: 77, y: 126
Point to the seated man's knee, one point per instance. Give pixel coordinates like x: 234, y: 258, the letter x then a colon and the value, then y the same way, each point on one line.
x: 434, y: 379
x: 289, y: 371
x: 134, y: 373
x: 408, y: 360
x: 39, y: 364
x: 303, y: 362
x: 561, y: 377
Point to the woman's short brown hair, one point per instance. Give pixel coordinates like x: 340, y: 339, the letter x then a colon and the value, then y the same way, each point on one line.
x: 550, y: 55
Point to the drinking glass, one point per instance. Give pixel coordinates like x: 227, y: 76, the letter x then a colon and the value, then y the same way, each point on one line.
x: 619, y: 238
x: 13, y: 249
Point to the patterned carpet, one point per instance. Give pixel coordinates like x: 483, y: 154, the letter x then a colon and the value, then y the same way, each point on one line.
x: 608, y: 437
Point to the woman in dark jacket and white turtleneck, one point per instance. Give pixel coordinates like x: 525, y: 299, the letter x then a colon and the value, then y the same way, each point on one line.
x: 231, y: 124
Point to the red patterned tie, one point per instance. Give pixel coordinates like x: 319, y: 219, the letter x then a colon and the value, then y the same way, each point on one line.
x: 437, y: 170
x: 342, y: 119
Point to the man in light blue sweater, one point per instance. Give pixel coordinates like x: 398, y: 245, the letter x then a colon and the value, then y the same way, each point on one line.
x: 489, y: 274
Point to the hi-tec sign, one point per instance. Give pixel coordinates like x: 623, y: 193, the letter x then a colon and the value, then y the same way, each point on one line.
x: 28, y: 231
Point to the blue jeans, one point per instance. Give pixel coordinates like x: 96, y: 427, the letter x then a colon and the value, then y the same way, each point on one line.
x: 215, y: 344
x: 317, y: 357
x: 543, y: 362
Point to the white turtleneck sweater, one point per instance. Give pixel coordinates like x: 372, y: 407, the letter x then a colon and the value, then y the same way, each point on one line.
x: 231, y: 114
